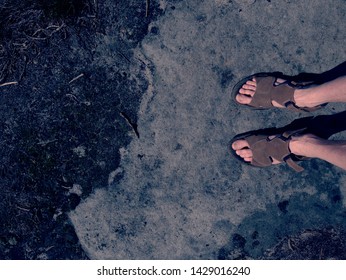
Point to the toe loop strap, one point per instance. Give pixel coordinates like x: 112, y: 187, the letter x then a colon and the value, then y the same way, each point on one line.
x: 291, y: 163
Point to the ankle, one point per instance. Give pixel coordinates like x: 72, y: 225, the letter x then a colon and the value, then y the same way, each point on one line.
x: 308, y: 97
x: 306, y: 145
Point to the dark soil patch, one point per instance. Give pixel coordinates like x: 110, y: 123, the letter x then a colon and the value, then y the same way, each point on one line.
x: 311, y: 244
x: 321, y: 244
x: 62, y: 114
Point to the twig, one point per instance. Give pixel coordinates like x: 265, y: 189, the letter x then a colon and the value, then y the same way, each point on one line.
x: 36, y: 38
x: 76, y: 78
x: 122, y: 55
x: 22, y: 208
x: 51, y: 247
x: 44, y: 143
x: 56, y: 29
x: 290, y: 244
x: 133, y: 125
x: 9, y: 83
x: 37, y: 31
x: 147, y: 8
x: 73, y: 97
x: 321, y: 254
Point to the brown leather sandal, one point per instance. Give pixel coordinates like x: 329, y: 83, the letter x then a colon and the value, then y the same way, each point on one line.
x: 264, y: 149
x: 268, y: 90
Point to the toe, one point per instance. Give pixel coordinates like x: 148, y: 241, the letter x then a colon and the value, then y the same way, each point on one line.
x: 240, y: 144
x: 251, y: 82
x: 247, y: 90
x: 242, y: 149
x: 243, y: 99
x: 249, y: 86
x: 245, y: 153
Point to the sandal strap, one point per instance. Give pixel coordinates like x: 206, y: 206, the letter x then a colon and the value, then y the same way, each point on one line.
x: 267, y: 91
x: 293, y: 107
x: 265, y: 149
x: 291, y: 163
x: 283, y: 93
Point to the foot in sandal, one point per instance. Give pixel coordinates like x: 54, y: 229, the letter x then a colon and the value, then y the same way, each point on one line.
x: 290, y: 147
x: 266, y: 90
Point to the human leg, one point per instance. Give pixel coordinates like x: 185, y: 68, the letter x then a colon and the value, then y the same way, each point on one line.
x: 314, y: 147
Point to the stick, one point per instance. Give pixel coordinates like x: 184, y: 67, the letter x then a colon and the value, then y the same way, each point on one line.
x: 131, y: 124
x: 147, y: 8
x: 24, y: 209
x: 76, y: 78
x: 122, y: 55
x: 9, y: 83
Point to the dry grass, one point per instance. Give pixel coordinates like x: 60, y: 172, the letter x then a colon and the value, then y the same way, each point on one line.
x: 318, y: 244
x: 26, y: 26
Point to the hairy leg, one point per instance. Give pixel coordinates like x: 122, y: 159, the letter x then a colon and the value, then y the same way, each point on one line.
x: 312, y: 146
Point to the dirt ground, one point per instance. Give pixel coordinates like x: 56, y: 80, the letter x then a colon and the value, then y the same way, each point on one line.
x: 96, y: 98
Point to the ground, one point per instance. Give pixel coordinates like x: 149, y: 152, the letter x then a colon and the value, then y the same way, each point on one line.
x: 115, y: 120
